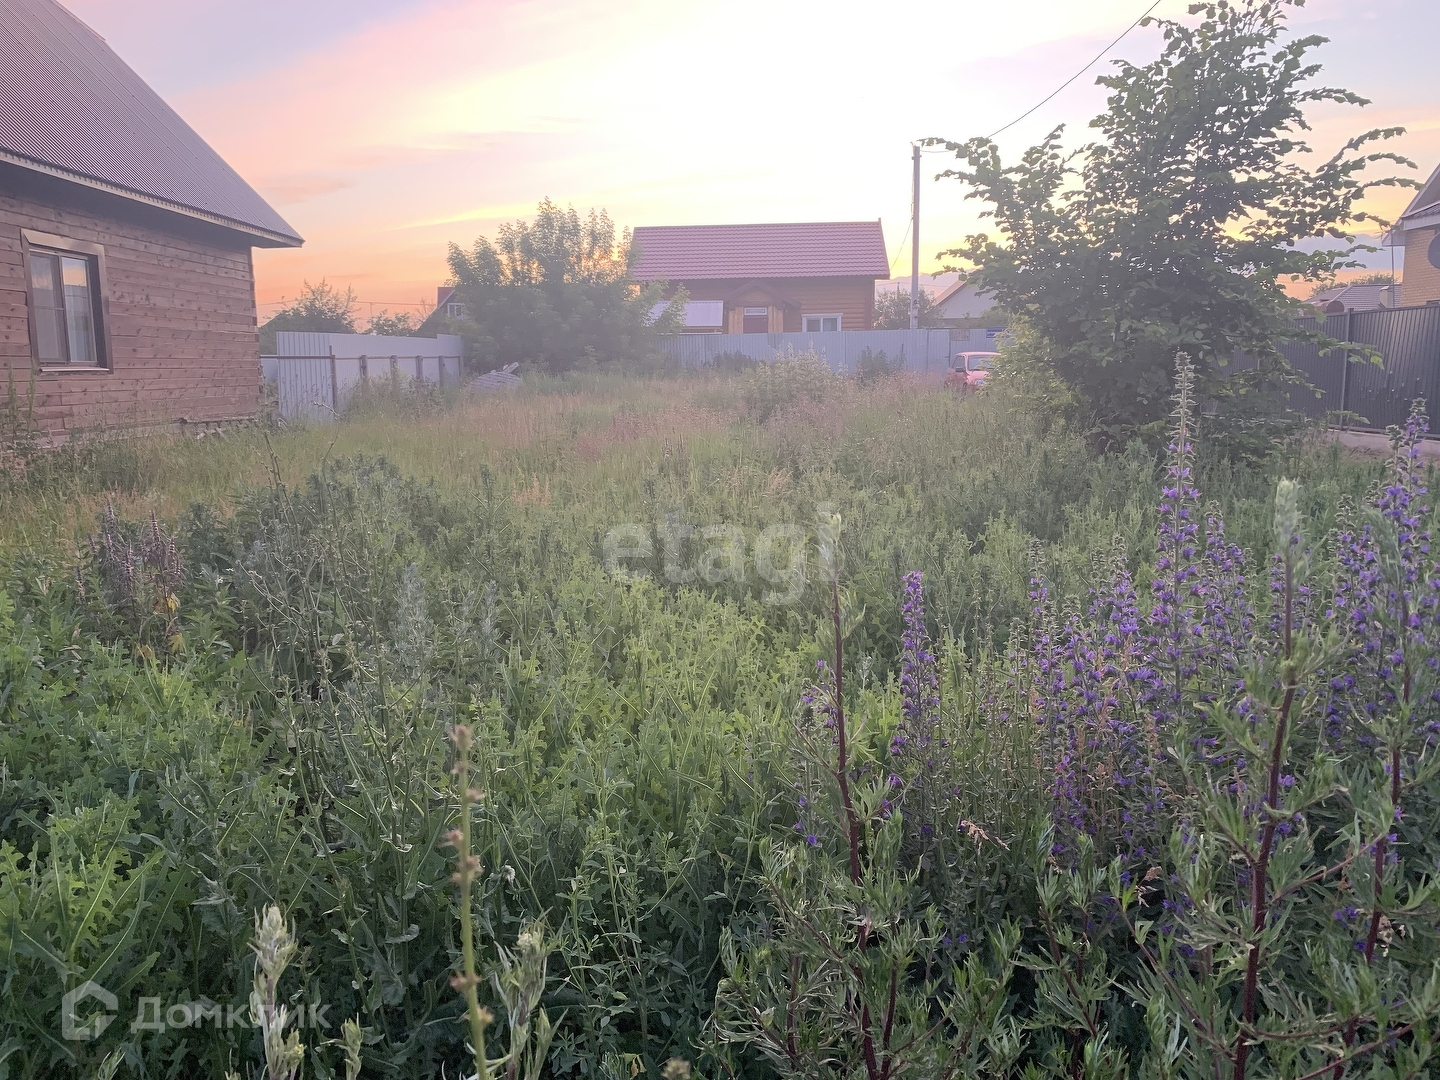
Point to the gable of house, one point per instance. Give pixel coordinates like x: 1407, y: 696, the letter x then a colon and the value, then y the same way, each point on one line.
x: 1419, y: 230
x: 127, y: 290
x: 74, y: 110
x: 801, y: 276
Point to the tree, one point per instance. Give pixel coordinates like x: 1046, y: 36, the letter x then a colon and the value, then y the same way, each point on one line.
x: 558, y: 249
x: 391, y: 325
x: 556, y: 293
x: 1176, y: 228
x: 318, y: 309
x: 892, y: 311
x: 1377, y: 277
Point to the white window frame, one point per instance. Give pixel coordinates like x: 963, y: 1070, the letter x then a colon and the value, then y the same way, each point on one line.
x: 839, y: 324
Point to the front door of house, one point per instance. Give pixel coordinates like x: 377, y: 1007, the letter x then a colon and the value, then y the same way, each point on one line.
x: 757, y: 320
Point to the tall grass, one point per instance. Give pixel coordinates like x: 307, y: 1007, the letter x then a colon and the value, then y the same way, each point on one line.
x: 352, y: 593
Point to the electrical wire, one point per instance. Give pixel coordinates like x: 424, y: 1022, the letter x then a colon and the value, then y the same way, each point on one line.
x: 1098, y: 56
x: 901, y: 247
x: 1077, y: 74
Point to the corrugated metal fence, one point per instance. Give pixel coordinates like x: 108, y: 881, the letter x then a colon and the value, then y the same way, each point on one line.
x: 921, y: 351
x: 317, y: 388
x: 1408, y: 341
x: 316, y: 372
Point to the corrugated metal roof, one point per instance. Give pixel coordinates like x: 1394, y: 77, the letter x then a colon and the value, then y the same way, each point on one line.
x: 805, y: 249
x: 72, y: 108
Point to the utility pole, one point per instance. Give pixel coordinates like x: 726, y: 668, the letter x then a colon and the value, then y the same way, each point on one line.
x: 915, y: 246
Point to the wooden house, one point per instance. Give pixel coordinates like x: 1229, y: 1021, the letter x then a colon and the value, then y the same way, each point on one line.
x: 127, y: 290
x: 809, y: 277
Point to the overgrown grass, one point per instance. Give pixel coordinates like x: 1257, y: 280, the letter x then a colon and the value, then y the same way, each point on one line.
x: 273, y: 730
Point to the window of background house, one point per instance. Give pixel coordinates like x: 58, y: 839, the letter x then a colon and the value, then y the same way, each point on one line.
x: 821, y: 324
x: 65, y: 302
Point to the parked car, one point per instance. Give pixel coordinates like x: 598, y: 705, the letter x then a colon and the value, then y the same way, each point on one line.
x: 968, y: 370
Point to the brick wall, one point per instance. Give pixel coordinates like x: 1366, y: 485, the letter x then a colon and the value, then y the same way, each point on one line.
x: 181, y: 321
x: 851, y: 298
x: 1421, y: 283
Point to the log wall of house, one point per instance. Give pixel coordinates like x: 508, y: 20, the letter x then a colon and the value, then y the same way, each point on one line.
x: 181, y: 313
x: 853, y: 299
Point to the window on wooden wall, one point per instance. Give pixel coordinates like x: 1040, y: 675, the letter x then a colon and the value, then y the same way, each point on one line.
x: 66, y: 301
x: 821, y: 324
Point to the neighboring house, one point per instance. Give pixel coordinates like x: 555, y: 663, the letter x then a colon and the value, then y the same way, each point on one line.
x: 127, y: 290
x: 1342, y: 298
x: 1419, y: 230
x: 934, y: 284
x: 446, y: 306
x: 810, y: 277
x: 701, y: 316
x: 962, y: 301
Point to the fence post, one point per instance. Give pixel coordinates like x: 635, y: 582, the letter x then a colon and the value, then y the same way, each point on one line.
x: 334, y: 387
x: 1345, y: 371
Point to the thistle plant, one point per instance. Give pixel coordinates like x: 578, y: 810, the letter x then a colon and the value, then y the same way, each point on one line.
x: 274, y: 947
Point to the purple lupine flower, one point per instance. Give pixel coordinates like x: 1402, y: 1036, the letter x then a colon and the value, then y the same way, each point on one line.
x: 919, y: 682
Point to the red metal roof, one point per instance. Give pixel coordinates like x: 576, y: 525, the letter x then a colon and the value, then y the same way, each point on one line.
x: 71, y: 108
x: 804, y: 249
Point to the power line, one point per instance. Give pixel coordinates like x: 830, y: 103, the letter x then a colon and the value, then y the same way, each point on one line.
x: 1077, y: 74
x: 900, y: 248
x: 1098, y: 56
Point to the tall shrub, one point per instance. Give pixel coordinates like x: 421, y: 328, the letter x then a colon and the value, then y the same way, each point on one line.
x: 1178, y: 227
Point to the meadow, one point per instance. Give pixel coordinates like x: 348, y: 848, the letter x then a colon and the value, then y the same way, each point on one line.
x: 812, y: 729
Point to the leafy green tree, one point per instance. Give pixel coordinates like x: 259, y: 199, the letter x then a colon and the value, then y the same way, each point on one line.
x: 1176, y: 228
x: 556, y: 293
x: 391, y: 325
x: 319, y: 309
x: 892, y: 311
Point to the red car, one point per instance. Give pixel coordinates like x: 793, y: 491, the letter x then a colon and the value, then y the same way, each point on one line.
x: 968, y: 370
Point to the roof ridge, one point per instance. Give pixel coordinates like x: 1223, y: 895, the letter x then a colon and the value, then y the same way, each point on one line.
x: 72, y: 108
x: 761, y: 224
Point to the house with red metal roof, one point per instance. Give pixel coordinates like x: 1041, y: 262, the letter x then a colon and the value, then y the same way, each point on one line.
x: 808, y: 277
x: 127, y: 288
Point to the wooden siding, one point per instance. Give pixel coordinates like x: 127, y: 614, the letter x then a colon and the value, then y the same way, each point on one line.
x: 181, y: 312
x: 852, y: 298
x: 1421, y: 283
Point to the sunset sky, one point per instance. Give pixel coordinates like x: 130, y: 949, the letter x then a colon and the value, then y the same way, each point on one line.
x: 381, y: 129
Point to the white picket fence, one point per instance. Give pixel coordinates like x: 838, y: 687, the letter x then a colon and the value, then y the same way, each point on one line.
x: 316, y: 374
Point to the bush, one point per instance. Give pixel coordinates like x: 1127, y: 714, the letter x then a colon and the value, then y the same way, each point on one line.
x: 791, y: 379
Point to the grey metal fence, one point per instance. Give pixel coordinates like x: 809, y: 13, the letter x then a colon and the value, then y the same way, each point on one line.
x: 921, y: 351
x: 1408, y: 341
x: 317, y: 388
